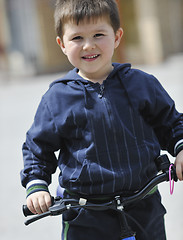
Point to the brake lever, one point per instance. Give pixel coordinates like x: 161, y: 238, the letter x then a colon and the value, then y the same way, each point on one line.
x: 37, y: 217
x: 58, y: 208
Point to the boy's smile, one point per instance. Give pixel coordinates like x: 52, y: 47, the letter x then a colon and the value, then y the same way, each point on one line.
x: 89, y: 47
x: 91, y: 57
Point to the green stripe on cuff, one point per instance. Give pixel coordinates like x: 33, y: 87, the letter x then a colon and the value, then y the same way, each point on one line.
x: 36, y: 188
x: 179, y: 148
x: 181, y: 145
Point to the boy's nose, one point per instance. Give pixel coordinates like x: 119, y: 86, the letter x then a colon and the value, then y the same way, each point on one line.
x: 89, y: 44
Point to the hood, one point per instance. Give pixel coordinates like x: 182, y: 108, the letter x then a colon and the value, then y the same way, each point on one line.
x: 80, y: 83
x: 74, y: 76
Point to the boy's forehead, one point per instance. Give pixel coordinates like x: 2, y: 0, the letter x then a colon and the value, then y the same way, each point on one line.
x: 93, y: 21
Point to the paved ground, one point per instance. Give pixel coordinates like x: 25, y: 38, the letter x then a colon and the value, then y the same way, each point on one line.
x: 18, y: 102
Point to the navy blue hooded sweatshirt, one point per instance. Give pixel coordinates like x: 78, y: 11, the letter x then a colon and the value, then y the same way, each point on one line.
x: 108, y: 135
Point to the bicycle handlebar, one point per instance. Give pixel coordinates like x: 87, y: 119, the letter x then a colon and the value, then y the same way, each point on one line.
x: 61, y: 205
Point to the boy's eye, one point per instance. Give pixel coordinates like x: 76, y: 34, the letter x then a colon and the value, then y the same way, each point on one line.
x: 77, y: 38
x: 99, y: 35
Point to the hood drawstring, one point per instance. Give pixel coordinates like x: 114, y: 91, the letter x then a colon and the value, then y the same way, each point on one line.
x: 87, y: 99
x: 124, y: 87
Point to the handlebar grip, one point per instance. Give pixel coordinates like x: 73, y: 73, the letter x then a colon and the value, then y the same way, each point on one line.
x: 26, y: 211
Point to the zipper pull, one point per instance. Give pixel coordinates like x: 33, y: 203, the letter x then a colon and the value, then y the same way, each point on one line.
x: 101, y: 94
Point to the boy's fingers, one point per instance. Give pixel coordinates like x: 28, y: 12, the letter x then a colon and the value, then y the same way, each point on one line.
x: 48, y: 200
x: 179, y: 171
x: 42, y: 205
x: 37, y: 207
x: 45, y: 202
x: 179, y: 165
x: 39, y: 202
x: 31, y: 207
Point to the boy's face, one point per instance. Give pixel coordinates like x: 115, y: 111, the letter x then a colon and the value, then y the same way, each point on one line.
x: 89, y: 47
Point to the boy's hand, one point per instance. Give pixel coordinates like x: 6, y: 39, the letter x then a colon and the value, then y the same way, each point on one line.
x: 39, y: 202
x: 179, y: 165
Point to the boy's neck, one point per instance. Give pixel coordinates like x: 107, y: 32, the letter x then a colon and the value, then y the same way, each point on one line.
x: 95, y: 79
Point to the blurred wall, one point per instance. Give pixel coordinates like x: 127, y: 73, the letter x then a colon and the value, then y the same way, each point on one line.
x: 153, y: 30
x: 52, y: 57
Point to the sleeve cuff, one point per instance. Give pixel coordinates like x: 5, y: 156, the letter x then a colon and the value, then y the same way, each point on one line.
x: 36, y: 186
x: 178, y: 147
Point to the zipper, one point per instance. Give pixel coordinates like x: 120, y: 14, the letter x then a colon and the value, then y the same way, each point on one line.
x: 101, y: 93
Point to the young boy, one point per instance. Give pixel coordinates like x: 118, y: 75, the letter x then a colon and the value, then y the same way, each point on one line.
x: 109, y: 122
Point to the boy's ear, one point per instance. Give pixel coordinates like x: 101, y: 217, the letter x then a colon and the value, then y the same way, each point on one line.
x: 118, y: 37
x: 61, y: 44
x: 58, y: 40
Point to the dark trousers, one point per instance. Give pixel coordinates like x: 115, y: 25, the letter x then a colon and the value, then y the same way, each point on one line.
x: 146, y: 218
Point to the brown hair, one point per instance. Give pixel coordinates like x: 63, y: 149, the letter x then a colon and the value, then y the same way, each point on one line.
x: 79, y: 10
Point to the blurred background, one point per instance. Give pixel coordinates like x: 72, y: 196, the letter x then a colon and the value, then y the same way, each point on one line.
x: 152, y: 33
x: 30, y: 60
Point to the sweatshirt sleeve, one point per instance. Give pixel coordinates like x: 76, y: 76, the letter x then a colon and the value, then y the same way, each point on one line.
x: 42, y: 140
x: 160, y: 112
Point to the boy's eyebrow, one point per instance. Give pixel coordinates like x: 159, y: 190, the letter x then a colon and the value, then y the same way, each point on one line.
x: 81, y: 33
x: 100, y: 29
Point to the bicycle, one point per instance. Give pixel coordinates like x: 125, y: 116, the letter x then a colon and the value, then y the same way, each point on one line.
x: 166, y: 172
